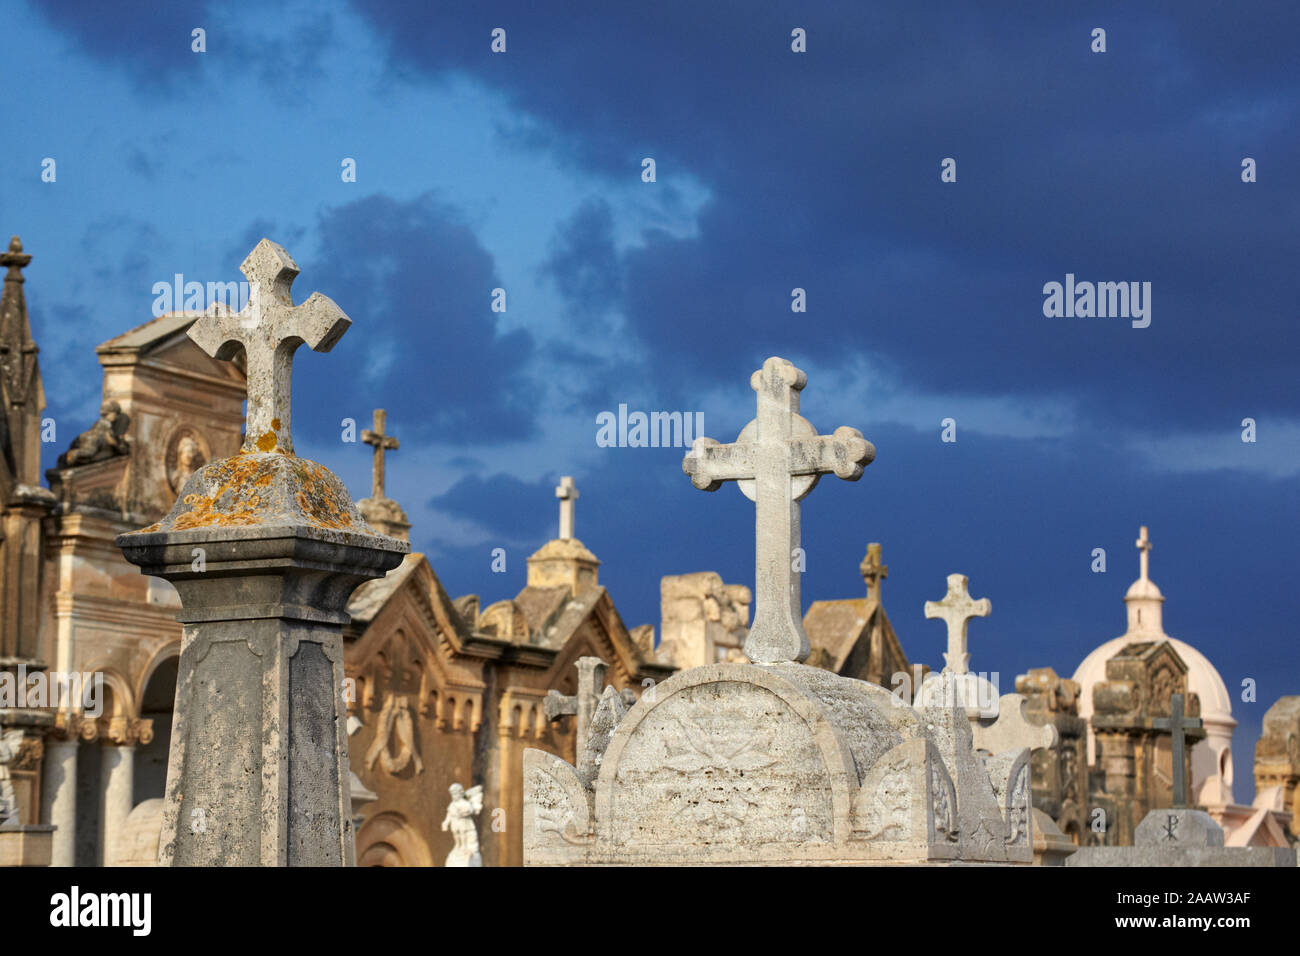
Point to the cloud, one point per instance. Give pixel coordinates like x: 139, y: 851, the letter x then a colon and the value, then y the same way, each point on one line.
x: 425, y: 343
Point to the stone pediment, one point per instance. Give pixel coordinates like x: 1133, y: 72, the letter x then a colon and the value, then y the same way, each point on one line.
x: 164, y: 342
x: 778, y: 764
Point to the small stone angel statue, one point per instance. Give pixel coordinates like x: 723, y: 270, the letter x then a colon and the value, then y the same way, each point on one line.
x: 465, y: 805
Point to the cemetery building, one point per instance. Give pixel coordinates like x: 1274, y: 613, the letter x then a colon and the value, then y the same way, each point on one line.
x: 450, y: 692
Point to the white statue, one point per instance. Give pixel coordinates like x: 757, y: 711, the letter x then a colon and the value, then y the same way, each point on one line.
x: 465, y: 805
x: 9, y: 744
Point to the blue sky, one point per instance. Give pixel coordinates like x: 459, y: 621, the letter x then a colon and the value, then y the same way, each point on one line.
x: 775, y: 170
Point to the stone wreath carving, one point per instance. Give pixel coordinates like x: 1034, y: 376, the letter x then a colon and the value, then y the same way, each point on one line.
x: 395, y: 720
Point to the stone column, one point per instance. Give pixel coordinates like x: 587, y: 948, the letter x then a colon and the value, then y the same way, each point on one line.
x: 117, y: 780
x: 59, y: 788
x: 116, y: 772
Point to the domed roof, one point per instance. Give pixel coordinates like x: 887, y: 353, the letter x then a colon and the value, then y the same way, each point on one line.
x: 1203, y: 679
x: 1144, y: 602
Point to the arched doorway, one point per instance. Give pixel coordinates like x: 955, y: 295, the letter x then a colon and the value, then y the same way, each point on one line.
x: 386, y: 839
x: 156, y: 704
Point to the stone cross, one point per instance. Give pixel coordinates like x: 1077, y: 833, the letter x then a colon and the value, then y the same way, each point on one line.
x: 1144, y: 553
x: 381, y: 443
x: 956, y: 609
x: 591, y: 681
x: 269, y: 329
x: 567, y: 492
x: 874, y: 570
x: 1177, y: 725
x: 777, y: 460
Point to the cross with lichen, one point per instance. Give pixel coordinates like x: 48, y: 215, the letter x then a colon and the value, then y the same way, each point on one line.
x: 381, y: 442
x: 269, y: 329
x: 777, y: 460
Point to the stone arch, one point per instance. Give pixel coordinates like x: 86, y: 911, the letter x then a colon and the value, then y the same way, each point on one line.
x: 156, y: 703
x: 119, y: 699
x: 386, y: 839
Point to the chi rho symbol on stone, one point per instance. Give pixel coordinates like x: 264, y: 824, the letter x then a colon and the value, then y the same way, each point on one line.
x: 956, y: 610
x: 269, y: 328
x: 777, y: 460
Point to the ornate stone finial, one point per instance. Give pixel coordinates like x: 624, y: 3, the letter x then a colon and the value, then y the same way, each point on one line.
x: 567, y: 492
x: 956, y: 609
x: 1144, y: 547
x: 874, y: 570
x: 270, y: 328
x: 15, y: 259
x: 381, y: 443
x: 777, y: 460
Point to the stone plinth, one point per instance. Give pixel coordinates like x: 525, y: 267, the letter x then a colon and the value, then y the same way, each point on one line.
x: 781, y: 764
x: 264, y: 550
x: 26, y: 844
x: 1181, y: 837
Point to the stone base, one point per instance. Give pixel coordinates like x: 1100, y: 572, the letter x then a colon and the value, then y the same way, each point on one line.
x: 775, y: 765
x: 26, y: 845
x: 1252, y: 856
x: 1051, y: 846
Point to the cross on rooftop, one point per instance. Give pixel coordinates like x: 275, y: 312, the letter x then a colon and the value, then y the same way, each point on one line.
x: 1178, y: 725
x: 777, y: 460
x: 567, y: 492
x: 956, y: 609
x: 382, y: 443
x: 1144, y: 552
x: 874, y: 570
x: 269, y: 329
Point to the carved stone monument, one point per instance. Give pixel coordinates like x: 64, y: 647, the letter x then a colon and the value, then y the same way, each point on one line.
x: 264, y: 548
x: 776, y: 762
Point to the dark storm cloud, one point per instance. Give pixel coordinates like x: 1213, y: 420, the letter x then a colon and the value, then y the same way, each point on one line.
x: 425, y: 344
x: 824, y: 170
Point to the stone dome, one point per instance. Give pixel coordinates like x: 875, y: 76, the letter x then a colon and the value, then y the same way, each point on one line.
x: 1211, y: 757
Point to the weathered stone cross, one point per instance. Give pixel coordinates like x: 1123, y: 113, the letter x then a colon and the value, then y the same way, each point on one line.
x: 874, y: 570
x: 777, y: 460
x: 269, y: 328
x: 381, y: 443
x: 591, y: 682
x: 567, y: 492
x: 1177, y: 725
x: 956, y: 609
x: 1144, y: 553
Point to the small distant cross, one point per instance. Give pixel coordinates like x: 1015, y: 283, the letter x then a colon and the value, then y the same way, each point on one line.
x: 874, y: 570
x: 1178, y: 725
x: 381, y: 442
x: 269, y: 329
x: 956, y: 609
x: 567, y: 492
x: 1144, y: 552
x: 777, y: 460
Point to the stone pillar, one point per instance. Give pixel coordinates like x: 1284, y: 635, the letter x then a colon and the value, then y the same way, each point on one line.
x: 59, y: 797
x: 116, y: 774
x: 258, y: 768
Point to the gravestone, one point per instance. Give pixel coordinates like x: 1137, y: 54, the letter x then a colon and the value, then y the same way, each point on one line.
x: 775, y: 762
x: 264, y: 549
